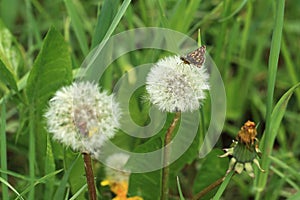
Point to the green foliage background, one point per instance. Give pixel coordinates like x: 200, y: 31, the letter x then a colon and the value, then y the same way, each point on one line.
x: 42, y: 43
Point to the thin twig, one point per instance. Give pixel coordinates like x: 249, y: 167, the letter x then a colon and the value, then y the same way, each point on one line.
x: 89, y: 176
x: 166, y: 158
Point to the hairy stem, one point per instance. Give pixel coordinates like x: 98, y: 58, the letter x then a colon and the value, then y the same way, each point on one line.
x: 166, y: 158
x: 89, y: 176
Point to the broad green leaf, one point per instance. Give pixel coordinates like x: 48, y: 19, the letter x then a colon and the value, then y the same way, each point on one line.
x: 211, y: 170
x: 7, y: 76
x: 51, y: 70
x: 10, y: 57
x: 186, y: 158
x: 59, y: 194
x: 77, y: 177
x: 146, y: 185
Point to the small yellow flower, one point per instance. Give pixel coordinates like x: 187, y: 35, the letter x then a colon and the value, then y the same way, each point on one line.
x: 244, y: 151
x: 117, y: 178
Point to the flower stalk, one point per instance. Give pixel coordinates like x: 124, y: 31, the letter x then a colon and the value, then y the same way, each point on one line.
x: 209, y: 188
x: 89, y: 176
x: 166, y: 157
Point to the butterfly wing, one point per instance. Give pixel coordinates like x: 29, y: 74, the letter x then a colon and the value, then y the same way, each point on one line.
x: 196, y: 57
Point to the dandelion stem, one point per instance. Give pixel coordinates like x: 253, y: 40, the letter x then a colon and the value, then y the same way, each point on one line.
x: 214, y: 185
x: 89, y: 176
x: 167, y: 153
x: 209, y: 188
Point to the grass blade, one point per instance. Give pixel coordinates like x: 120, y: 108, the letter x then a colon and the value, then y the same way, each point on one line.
x: 107, y: 14
x: 223, y: 186
x: 11, y: 187
x: 3, y: 150
x: 78, y: 192
x: 179, y: 189
x: 43, y: 179
x: 78, y: 27
x: 268, y: 142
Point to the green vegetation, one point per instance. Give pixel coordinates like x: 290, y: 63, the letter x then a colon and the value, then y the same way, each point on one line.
x: 254, y: 44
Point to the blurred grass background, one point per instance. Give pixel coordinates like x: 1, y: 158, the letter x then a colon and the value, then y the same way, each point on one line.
x: 237, y: 34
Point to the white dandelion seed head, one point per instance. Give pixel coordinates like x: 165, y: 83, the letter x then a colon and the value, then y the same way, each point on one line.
x: 115, y: 171
x: 175, y: 86
x: 81, y: 117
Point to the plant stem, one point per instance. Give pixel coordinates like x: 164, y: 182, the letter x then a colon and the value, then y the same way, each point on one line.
x: 89, y: 176
x: 215, y: 184
x: 209, y: 188
x: 166, y: 158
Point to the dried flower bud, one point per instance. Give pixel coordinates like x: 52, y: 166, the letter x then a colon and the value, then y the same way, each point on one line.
x: 245, y: 151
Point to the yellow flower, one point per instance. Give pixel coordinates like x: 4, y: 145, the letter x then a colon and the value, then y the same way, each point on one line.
x: 120, y: 189
x: 117, y: 177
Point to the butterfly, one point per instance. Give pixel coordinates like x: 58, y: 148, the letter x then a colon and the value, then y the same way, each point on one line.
x: 196, y: 57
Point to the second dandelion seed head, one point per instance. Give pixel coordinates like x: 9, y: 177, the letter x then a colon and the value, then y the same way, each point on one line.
x: 174, y: 85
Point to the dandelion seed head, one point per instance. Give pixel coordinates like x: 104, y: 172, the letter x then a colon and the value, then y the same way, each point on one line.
x: 81, y: 117
x: 176, y: 86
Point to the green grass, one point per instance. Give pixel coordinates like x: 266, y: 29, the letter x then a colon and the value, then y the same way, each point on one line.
x: 254, y: 44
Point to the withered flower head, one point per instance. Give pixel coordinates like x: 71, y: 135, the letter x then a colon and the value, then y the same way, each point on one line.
x: 247, y: 134
x: 245, y: 150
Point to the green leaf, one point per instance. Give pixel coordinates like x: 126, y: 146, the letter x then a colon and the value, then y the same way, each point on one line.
x: 59, y: 194
x: 223, y: 185
x: 50, y: 71
x: 49, y: 168
x: 279, y: 110
x: 146, y: 185
x: 11, y: 187
x: 295, y: 196
x: 10, y: 57
x: 211, y: 170
x: 7, y: 76
x: 181, y: 19
x: 105, y: 18
x: 77, y: 24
